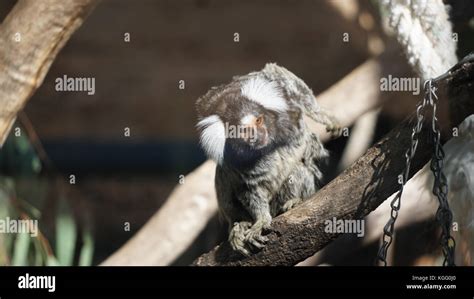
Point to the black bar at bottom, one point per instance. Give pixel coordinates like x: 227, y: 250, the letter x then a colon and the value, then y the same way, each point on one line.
x: 142, y: 282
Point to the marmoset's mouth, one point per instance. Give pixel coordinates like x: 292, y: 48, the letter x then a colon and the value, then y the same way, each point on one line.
x: 258, y: 142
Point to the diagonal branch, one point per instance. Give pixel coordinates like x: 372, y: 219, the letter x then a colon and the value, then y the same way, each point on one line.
x: 31, y: 36
x: 300, y: 232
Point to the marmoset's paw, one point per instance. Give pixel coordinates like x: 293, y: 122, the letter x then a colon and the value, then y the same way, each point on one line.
x: 334, y: 129
x: 246, y: 238
x: 254, y: 237
x: 290, y: 204
x: 237, y: 238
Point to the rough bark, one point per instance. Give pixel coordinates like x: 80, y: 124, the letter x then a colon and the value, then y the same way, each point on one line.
x: 30, y: 37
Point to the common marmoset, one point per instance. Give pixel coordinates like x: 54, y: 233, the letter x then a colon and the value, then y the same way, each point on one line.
x: 267, y: 159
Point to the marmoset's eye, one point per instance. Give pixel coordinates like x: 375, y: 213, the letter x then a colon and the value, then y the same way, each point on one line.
x: 259, y: 120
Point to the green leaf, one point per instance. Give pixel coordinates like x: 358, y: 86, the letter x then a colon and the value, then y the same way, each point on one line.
x: 4, y: 204
x: 36, y: 164
x: 51, y: 261
x: 65, y: 235
x: 87, y: 250
x: 20, y: 250
x: 38, y: 256
x: 39, y: 253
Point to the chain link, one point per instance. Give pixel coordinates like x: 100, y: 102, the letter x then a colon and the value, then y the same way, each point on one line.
x: 440, y: 188
x: 444, y: 216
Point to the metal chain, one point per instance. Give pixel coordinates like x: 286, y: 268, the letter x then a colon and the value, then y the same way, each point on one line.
x: 444, y: 216
x: 440, y: 189
x: 396, y: 202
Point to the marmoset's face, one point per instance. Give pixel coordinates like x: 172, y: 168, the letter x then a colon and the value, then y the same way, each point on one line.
x: 248, y: 122
x: 251, y: 131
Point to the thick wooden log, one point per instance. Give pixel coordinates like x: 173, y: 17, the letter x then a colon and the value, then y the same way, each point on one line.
x: 31, y: 36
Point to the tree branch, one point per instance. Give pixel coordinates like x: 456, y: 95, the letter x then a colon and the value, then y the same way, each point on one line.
x: 300, y: 232
x: 31, y: 36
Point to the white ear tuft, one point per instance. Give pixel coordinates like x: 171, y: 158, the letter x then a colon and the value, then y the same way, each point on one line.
x: 266, y: 93
x: 212, y: 137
